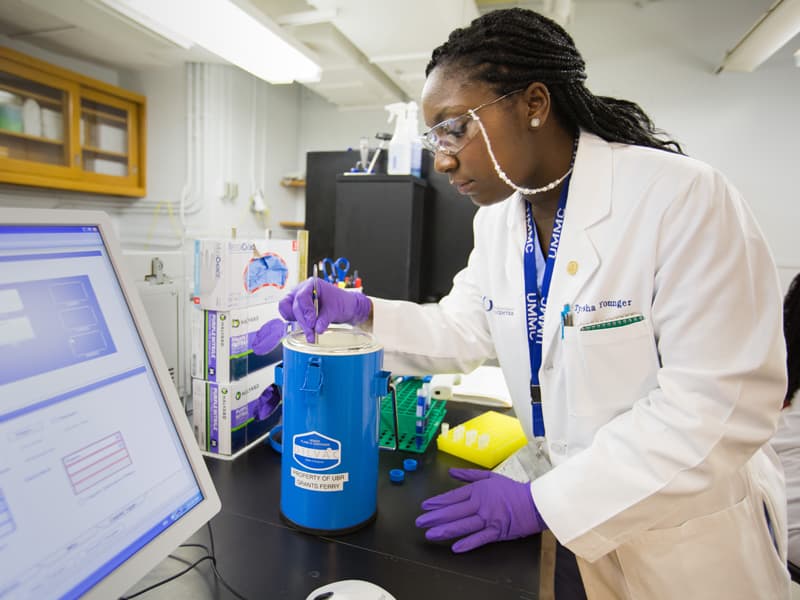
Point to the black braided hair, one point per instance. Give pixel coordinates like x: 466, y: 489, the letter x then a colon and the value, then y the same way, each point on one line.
x: 511, y: 48
x: 791, y: 331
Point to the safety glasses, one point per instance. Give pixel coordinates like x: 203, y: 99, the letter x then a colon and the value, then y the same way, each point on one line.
x: 451, y: 135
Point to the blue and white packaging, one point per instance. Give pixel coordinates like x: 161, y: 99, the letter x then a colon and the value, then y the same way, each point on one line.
x: 222, y: 342
x: 228, y: 417
x: 232, y: 274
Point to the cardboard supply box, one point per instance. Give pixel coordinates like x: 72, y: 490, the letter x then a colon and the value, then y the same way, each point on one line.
x: 222, y: 342
x: 230, y: 416
x: 232, y: 273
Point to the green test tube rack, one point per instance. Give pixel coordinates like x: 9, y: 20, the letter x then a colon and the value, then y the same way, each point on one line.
x: 410, y: 440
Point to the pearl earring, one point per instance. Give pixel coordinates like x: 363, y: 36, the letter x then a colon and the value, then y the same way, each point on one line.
x: 535, y: 122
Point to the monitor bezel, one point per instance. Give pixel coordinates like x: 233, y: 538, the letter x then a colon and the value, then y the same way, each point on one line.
x: 137, y: 566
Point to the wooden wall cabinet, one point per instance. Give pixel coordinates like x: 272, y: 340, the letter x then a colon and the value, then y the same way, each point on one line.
x: 60, y: 129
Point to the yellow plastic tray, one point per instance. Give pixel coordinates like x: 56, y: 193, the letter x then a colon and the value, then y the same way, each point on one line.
x: 505, y: 436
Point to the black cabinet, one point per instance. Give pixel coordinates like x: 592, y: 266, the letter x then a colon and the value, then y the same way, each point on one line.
x: 322, y: 169
x: 447, y: 235
x: 379, y: 221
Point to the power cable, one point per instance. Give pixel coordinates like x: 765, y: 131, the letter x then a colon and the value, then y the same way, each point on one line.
x: 191, y: 565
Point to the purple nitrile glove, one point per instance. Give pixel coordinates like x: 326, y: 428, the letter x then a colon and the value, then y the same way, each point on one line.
x: 491, y: 508
x: 269, y: 336
x: 266, y: 403
x: 335, y: 306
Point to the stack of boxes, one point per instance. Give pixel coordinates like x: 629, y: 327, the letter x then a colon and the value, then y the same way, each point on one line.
x: 238, y: 284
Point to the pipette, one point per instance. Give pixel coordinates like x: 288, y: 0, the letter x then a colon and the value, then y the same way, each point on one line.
x: 383, y: 137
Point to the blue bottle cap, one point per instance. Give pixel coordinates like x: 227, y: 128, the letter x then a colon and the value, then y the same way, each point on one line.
x: 397, y: 475
x: 410, y: 464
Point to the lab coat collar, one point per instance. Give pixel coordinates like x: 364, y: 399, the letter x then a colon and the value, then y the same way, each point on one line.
x: 588, y: 203
x: 589, y: 198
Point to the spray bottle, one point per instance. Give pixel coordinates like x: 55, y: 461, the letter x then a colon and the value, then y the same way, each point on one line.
x: 400, y: 146
x: 415, y: 139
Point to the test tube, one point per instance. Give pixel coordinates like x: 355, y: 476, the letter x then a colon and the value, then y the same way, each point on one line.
x: 472, y: 436
x: 420, y: 429
x: 427, y: 387
x: 483, y: 441
x: 445, y: 428
x: 458, y: 433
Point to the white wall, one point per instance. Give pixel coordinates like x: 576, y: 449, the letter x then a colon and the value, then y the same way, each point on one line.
x: 663, y: 55
x: 323, y: 126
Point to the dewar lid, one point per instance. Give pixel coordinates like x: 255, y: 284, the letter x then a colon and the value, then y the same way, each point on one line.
x: 334, y: 341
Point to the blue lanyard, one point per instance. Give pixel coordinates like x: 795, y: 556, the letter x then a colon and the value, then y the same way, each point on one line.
x: 536, y: 299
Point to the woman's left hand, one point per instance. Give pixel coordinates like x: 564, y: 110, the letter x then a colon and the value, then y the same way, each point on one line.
x: 491, y: 508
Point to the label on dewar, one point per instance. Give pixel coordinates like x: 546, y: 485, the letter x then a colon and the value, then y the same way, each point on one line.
x: 315, y: 451
x: 320, y: 482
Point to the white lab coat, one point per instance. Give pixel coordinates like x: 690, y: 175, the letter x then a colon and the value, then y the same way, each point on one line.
x: 655, y: 429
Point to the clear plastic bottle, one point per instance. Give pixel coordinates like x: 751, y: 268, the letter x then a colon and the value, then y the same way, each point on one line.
x: 400, y: 146
x: 412, y: 120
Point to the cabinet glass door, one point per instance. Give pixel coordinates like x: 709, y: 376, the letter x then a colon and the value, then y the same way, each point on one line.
x: 34, y: 120
x: 107, y: 135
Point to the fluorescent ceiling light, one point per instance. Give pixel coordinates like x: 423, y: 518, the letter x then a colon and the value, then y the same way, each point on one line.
x: 142, y: 22
x: 776, y: 27
x: 226, y: 30
x: 308, y: 17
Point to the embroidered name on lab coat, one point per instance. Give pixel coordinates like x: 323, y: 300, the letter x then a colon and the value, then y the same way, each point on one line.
x: 615, y: 303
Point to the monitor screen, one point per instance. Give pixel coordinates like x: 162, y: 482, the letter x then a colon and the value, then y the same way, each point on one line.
x: 95, y: 463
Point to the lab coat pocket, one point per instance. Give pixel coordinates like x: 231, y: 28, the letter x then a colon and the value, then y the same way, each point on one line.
x: 718, y: 555
x: 766, y: 472
x: 618, y: 366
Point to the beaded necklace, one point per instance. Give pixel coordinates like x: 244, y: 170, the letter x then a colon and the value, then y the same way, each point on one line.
x: 502, y: 175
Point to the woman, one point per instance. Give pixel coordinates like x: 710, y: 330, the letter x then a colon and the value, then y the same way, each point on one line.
x: 634, y: 308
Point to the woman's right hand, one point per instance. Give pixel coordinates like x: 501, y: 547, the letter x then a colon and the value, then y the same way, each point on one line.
x: 335, y: 305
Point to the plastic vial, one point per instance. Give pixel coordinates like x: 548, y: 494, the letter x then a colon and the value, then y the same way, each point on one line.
x: 472, y: 435
x: 445, y: 428
x: 483, y: 441
x: 458, y: 433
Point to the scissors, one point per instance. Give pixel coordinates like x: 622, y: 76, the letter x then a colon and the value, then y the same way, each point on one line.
x: 335, y: 270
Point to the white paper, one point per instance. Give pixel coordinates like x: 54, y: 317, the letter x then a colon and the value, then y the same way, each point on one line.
x: 526, y: 464
x: 485, y: 385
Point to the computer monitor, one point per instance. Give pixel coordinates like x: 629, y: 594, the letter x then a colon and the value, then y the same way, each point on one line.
x: 100, y: 475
